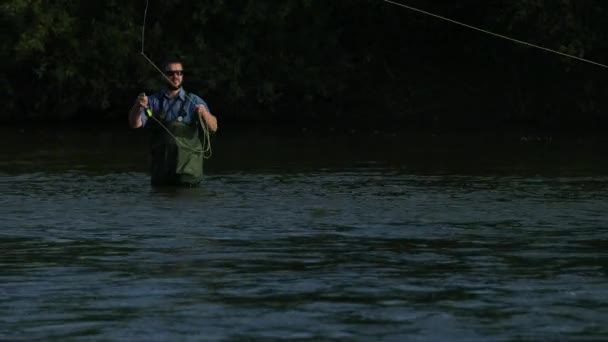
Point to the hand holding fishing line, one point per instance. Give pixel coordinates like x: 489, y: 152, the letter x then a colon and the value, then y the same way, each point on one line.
x: 202, y: 110
x: 207, y: 119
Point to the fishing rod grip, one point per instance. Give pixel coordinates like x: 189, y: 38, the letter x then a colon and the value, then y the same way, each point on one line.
x: 148, y: 111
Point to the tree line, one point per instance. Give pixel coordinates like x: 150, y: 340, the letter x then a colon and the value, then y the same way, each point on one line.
x: 292, y: 61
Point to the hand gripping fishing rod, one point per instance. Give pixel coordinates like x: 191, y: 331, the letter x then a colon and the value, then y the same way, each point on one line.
x: 148, y: 110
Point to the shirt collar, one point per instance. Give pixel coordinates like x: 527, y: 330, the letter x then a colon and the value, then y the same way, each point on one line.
x: 181, y: 94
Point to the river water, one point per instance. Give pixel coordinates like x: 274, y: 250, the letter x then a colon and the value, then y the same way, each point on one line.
x: 304, y: 237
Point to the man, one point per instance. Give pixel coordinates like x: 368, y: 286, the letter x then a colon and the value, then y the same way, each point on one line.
x: 177, y: 121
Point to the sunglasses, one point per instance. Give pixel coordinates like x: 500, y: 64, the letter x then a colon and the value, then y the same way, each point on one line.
x: 174, y: 72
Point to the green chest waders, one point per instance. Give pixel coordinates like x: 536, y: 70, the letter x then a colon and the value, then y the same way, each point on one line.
x: 176, y: 158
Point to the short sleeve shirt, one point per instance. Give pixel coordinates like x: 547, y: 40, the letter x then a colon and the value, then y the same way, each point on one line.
x: 172, y: 106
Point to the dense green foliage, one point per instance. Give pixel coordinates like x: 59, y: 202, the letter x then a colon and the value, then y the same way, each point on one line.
x: 300, y: 60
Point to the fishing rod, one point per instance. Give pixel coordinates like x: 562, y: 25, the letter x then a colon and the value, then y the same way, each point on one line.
x: 206, y: 141
x: 496, y: 34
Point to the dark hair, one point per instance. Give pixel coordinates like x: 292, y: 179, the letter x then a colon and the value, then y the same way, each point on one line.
x: 173, y: 60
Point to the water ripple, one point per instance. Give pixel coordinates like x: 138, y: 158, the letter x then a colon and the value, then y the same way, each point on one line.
x: 366, y: 254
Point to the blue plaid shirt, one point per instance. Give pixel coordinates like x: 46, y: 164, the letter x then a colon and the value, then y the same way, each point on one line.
x: 172, y: 106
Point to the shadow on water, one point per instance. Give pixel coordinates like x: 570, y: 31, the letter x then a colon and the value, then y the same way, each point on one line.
x: 99, y: 149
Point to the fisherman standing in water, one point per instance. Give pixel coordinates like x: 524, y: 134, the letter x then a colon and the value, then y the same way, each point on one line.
x: 178, y: 122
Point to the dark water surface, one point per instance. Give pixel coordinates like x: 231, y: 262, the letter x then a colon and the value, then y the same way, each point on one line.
x: 303, y: 237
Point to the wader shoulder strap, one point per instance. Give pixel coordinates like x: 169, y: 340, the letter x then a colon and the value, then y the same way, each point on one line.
x: 181, y: 110
x: 161, y: 104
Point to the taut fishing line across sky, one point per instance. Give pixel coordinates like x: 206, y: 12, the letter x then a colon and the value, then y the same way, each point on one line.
x: 496, y: 34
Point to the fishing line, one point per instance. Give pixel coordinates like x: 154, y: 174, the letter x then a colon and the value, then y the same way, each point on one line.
x: 498, y: 35
x: 206, y: 141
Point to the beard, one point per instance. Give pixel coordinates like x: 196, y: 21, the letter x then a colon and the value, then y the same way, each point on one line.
x: 173, y: 86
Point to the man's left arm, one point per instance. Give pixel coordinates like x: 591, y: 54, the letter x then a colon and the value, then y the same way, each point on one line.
x: 210, y: 119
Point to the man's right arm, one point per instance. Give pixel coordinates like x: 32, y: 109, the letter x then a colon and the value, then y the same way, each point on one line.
x: 135, y: 116
x: 135, y: 112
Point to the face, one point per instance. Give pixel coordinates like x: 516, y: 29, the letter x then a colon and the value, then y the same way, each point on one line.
x: 175, y: 73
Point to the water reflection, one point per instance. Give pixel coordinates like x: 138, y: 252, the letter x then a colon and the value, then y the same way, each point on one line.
x: 301, y: 249
x: 108, y: 149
